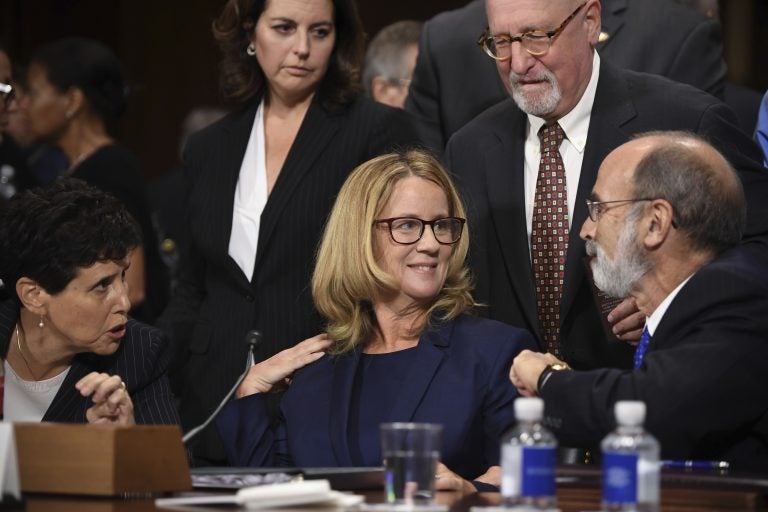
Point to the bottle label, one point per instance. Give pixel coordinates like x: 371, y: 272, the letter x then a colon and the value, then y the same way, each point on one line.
x: 538, y: 471
x: 511, y: 463
x: 620, y: 477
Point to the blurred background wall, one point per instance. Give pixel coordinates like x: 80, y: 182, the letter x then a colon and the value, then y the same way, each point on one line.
x: 171, y: 61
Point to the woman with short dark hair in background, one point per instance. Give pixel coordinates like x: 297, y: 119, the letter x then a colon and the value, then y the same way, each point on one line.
x: 260, y: 184
x: 71, y: 353
x: 75, y: 89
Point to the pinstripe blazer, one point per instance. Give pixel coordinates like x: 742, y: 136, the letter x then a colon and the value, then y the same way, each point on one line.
x: 141, y: 361
x: 215, y: 303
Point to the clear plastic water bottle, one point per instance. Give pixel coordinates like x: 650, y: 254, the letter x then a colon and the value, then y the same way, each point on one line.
x: 630, y: 463
x: 528, y: 459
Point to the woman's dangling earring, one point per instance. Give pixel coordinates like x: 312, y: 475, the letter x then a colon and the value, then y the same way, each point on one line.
x: 251, y: 50
x: 41, y: 323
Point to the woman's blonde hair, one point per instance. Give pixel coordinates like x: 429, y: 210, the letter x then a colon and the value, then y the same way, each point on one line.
x: 347, y: 278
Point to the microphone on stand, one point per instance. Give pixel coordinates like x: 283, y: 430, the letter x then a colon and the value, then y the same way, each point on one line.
x: 252, y: 340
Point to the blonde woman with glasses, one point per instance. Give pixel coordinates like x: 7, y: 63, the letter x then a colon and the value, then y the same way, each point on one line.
x: 400, y: 345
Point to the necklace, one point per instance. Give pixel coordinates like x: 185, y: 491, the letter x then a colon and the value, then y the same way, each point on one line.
x: 18, y: 343
x: 82, y: 156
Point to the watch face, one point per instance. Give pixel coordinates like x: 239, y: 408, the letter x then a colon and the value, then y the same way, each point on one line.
x: 559, y: 367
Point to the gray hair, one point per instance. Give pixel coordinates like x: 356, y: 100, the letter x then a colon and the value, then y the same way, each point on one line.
x: 197, y: 119
x: 702, y: 187
x: 384, y: 56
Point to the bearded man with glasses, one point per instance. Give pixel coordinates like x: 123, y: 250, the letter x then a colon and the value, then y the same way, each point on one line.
x: 665, y: 220
x: 527, y: 165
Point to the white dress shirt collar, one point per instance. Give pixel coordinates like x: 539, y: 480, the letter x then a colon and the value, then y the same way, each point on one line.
x: 575, y: 123
x: 652, y: 322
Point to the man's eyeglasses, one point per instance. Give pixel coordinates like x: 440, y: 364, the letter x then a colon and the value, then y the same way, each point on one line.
x: 535, y: 42
x: 409, y: 230
x: 7, y: 92
x: 597, y: 208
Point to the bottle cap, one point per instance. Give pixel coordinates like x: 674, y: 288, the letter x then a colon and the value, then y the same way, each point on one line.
x: 630, y: 413
x: 529, y: 409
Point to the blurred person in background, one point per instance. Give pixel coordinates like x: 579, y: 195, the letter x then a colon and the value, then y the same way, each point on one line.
x: 166, y: 195
x: 75, y: 88
x: 744, y: 101
x: 259, y: 185
x: 13, y: 173
x: 761, y: 131
x: 389, y: 62
x: 44, y: 162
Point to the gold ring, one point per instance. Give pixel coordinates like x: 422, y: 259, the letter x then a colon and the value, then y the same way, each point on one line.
x: 122, y: 385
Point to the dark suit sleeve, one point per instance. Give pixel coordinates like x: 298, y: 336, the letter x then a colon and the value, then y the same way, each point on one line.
x: 423, y: 99
x: 498, y: 407
x: 244, y: 427
x: 145, y: 366
x: 702, y: 385
x: 699, y: 60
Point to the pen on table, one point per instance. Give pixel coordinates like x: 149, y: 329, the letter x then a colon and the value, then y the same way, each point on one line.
x: 703, y: 465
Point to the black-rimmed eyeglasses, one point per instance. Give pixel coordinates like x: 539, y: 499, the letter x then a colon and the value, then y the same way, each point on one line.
x: 409, y: 230
x: 535, y: 42
x: 7, y: 92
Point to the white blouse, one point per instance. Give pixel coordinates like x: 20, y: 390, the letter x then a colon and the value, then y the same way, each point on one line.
x: 26, y: 400
x: 250, y: 199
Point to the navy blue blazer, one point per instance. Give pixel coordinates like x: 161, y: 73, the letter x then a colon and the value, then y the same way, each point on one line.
x: 459, y: 380
x: 141, y: 361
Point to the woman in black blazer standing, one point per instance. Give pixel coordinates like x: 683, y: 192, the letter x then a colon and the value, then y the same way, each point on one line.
x: 259, y: 185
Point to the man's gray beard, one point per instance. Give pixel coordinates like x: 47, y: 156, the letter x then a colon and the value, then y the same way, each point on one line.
x: 541, y: 105
x: 617, y: 277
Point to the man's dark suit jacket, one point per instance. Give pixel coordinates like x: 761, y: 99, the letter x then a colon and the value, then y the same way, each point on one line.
x: 141, y: 361
x: 454, y: 80
x: 459, y: 378
x: 703, y: 378
x: 487, y: 157
x: 215, y: 304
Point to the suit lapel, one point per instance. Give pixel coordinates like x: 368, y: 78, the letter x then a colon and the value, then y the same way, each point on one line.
x: 428, y: 357
x: 341, y: 389
x: 223, y: 182
x: 612, y: 109
x: 506, y: 195
x: 69, y: 405
x: 316, y: 131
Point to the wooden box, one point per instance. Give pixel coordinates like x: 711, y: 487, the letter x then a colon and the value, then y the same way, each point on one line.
x: 101, y: 460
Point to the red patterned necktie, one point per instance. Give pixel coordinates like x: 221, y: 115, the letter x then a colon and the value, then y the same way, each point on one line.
x: 549, y: 234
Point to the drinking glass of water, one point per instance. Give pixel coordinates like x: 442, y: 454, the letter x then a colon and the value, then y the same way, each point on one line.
x: 410, y: 452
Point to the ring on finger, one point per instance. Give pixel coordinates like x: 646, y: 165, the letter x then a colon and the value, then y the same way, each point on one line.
x: 122, y: 386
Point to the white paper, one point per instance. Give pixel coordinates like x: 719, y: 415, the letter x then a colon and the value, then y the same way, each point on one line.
x: 293, y: 494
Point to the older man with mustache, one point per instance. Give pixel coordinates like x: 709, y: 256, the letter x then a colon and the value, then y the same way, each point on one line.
x: 666, y: 216
x: 526, y: 165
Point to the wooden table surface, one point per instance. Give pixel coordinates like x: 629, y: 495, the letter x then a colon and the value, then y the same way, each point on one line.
x: 578, y: 490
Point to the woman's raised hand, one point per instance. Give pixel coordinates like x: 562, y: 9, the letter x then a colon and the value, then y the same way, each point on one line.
x: 277, y: 370
x: 111, y: 401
